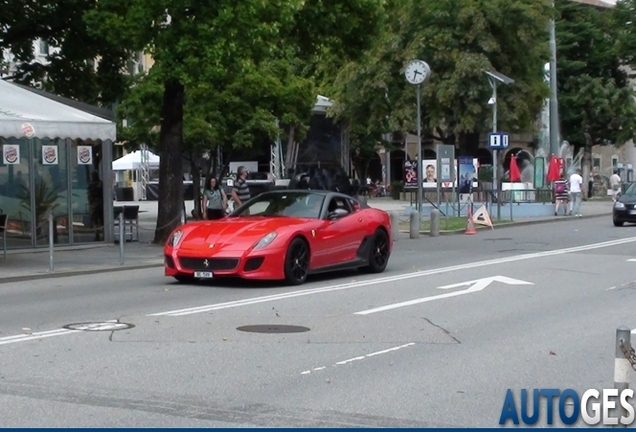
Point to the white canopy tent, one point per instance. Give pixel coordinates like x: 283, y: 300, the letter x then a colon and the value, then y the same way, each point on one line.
x: 133, y: 161
x: 27, y: 114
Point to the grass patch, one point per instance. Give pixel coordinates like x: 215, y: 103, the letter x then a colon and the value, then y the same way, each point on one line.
x: 450, y: 224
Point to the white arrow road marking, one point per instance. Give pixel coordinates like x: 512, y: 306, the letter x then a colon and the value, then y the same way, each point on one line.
x: 373, y: 354
x: 377, y: 281
x: 475, y: 286
x: 631, y: 260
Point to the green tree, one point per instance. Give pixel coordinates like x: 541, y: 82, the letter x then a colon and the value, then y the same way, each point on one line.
x: 70, y: 68
x: 596, y: 101
x: 458, y: 39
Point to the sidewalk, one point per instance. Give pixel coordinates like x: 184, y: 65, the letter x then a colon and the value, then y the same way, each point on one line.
x: 29, y: 264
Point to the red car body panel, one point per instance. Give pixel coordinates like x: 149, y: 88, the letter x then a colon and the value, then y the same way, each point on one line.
x: 228, y: 244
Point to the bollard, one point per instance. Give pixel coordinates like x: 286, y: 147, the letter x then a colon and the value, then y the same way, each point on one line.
x: 395, y: 225
x: 122, y: 238
x: 51, y: 228
x: 622, y: 362
x: 435, y: 223
x: 414, y: 221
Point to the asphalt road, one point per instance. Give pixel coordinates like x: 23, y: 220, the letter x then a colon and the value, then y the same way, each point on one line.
x: 420, y: 345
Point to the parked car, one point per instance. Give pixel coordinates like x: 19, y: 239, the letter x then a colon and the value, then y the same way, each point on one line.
x: 625, y: 207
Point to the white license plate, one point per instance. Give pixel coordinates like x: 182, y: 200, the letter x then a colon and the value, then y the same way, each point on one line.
x: 204, y: 275
x: 632, y: 212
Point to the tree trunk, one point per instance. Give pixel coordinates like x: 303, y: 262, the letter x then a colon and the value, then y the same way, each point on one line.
x: 196, y: 182
x: 170, y: 203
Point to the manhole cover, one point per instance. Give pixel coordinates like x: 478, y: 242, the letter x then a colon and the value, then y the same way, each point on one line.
x: 265, y: 328
x: 99, y: 326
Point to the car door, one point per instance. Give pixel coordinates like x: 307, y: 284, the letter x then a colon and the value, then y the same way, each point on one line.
x: 337, y: 239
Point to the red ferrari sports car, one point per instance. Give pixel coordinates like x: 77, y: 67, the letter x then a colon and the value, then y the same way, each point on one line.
x: 283, y: 235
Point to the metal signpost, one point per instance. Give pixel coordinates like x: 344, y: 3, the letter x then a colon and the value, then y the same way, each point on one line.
x: 418, y: 71
x: 497, y: 141
x: 495, y: 78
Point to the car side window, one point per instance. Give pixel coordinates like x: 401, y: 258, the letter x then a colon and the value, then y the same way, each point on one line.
x: 338, y: 203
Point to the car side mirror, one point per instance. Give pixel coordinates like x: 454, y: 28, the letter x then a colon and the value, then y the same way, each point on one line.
x: 337, y: 214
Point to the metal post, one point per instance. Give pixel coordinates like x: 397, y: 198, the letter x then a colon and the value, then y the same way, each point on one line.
x: 554, y: 106
x: 395, y: 225
x: 622, y: 363
x: 51, y: 228
x: 420, y: 170
x: 122, y: 238
x: 414, y: 225
x: 435, y: 223
x: 495, y: 153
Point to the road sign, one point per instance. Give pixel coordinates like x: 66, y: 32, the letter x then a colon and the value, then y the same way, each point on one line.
x: 498, y: 140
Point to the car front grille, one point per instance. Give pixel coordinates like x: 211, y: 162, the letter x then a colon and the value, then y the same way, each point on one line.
x: 217, y: 264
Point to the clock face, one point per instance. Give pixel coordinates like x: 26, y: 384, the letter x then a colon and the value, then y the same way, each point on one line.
x: 417, y: 72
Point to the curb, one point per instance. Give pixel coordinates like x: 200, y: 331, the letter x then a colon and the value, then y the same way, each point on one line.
x: 512, y: 224
x: 72, y: 273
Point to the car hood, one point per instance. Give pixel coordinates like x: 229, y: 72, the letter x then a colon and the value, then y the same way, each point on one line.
x: 234, y: 233
x: 628, y: 199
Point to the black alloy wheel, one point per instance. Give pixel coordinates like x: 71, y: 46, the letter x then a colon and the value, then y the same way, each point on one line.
x: 379, y: 253
x: 297, y: 262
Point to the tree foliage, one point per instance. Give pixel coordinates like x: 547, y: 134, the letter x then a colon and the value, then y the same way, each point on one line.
x: 69, y: 67
x: 596, y: 100
x: 458, y: 39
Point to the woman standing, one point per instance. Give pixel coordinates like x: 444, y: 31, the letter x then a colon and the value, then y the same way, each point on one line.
x: 214, y: 200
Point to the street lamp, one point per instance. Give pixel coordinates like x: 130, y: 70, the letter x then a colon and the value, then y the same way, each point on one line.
x: 495, y: 78
x: 418, y: 71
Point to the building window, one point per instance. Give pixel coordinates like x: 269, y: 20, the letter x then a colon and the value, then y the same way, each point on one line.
x: 614, y: 163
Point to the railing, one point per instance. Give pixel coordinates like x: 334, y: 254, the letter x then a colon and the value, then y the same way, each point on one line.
x: 538, y: 196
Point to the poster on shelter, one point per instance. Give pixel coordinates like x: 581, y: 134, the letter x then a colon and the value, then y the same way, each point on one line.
x: 49, y: 155
x: 11, y: 154
x: 467, y: 174
x: 84, y: 155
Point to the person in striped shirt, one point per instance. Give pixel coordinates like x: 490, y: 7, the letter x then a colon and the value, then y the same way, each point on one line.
x: 240, y: 190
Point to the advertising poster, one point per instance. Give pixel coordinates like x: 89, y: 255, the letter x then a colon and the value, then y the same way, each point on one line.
x: 10, y: 154
x: 410, y: 174
x: 467, y: 172
x: 49, y: 155
x: 84, y: 155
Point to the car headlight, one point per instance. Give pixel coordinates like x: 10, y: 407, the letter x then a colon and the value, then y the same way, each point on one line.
x: 265, y: 241
x: 619, y: 205
x: 175, y: 238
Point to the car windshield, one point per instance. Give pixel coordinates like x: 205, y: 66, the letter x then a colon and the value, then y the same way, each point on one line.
x: 289, y: 204
x: 631, y: 190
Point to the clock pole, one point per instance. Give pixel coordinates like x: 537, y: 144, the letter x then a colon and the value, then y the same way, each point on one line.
x: 420, y: 173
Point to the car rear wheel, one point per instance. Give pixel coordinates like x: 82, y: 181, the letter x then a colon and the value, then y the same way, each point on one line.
x: 379, y: 252
x: 618, y: 223
x: 297, y: 262
x: 185, y: 279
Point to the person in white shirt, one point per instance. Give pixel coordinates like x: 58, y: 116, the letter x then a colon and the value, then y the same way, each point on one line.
x: 615, y: 183
x: 576, y: 192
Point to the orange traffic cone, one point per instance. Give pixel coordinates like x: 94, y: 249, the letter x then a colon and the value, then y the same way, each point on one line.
x: 470, y: 227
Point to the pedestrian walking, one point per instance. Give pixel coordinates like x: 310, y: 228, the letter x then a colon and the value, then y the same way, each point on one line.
x: 576, y: 193
x: 561, y: 195
x: 615, y: 184
x: 240, y: 190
